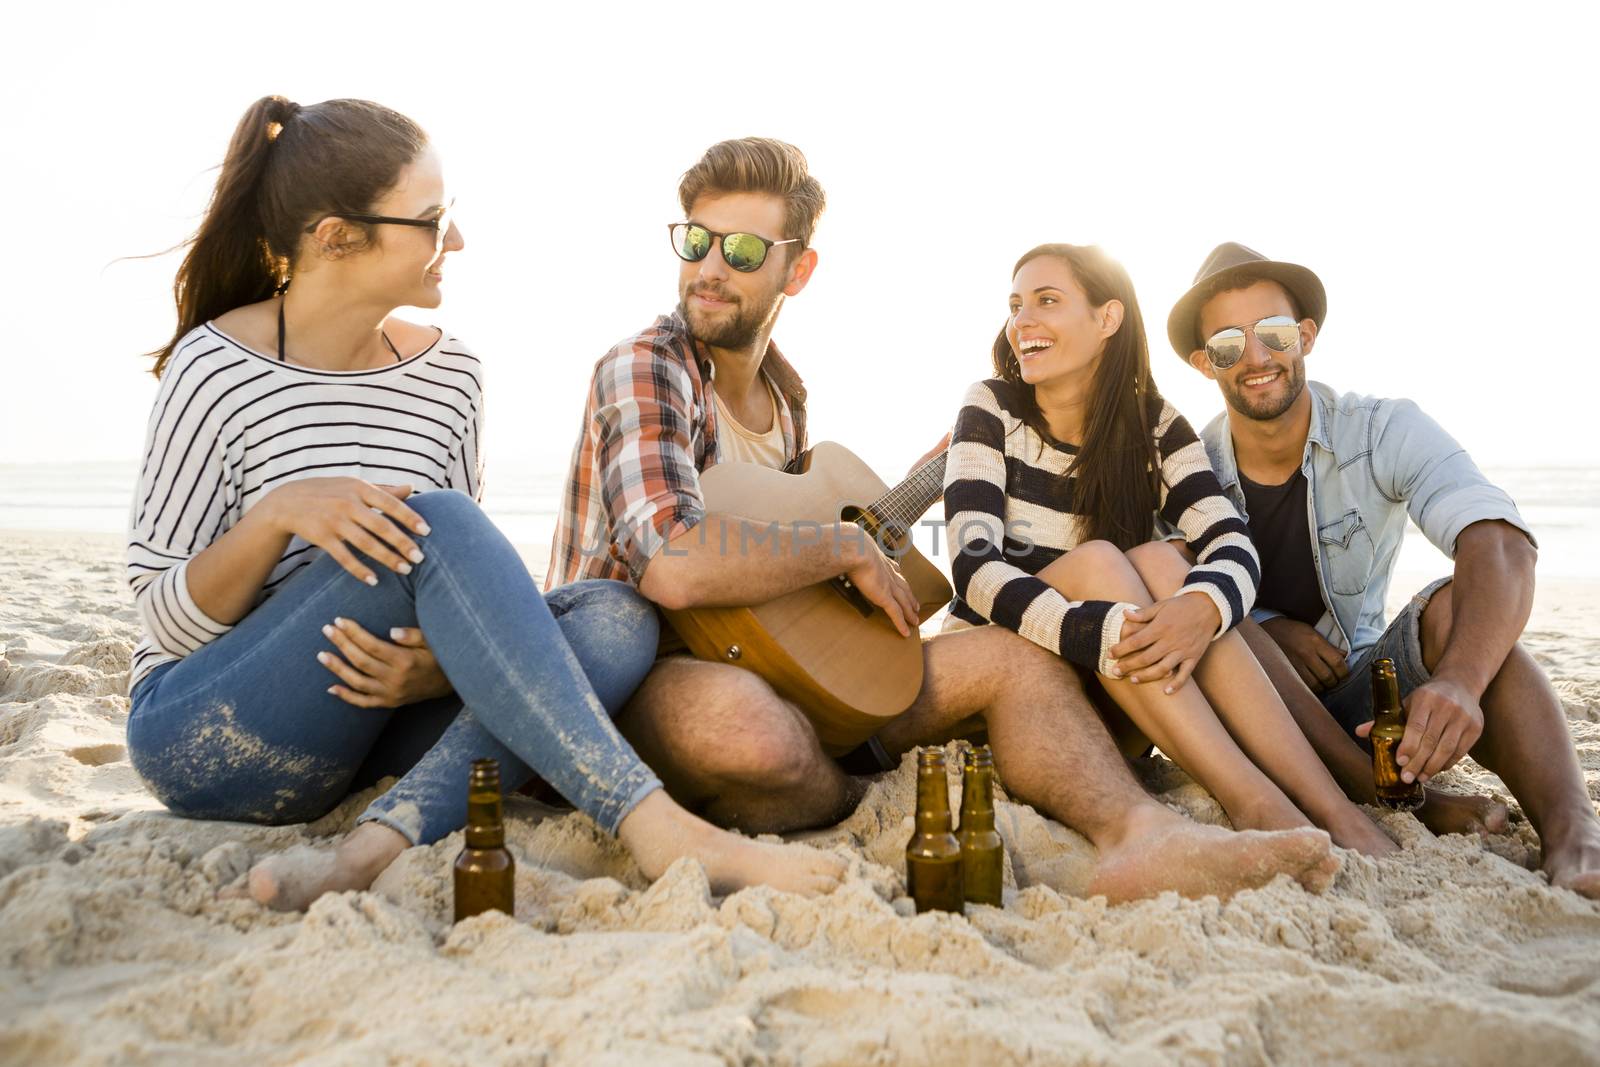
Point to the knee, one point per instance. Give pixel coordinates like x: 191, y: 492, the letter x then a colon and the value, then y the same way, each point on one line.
x: 1085, y: 568
x: 624, y: 622
x: 1161, y: 566
x: 635, y: 618
x: 1435, y: 625
x: 764, y: 743
x: 1097, y: 555
x: 445, y: 508
x: 455, y: 521
x: 616, y: 605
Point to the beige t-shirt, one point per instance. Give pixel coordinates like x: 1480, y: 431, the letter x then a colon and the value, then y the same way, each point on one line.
x: 736, y: 444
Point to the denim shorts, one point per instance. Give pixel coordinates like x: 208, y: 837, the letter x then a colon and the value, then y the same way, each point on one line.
x: 1350, y: 702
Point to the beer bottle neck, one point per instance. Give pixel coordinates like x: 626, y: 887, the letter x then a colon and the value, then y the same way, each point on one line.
x: 977, y: 799
x: 933, y: 801
x: 1386, y: 699
x: 485, y: 826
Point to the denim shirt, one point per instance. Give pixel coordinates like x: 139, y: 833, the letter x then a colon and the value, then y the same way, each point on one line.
x: 1369, y: 462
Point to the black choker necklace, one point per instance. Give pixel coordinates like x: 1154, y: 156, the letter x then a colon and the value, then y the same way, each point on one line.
x: 384, y: 334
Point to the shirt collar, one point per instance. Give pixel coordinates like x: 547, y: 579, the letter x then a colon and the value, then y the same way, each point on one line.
x: 1318, y: 433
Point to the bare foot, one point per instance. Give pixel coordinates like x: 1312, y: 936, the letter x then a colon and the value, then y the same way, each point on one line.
x: 1166, y: 851
x: 292, y: 880
x: 1575, y: 863
x: 1447, y: 813
x: 658, y: 831
x: 1360, y: 833
x: 1272, y: 811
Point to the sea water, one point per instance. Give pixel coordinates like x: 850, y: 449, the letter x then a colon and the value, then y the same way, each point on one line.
x: 1561, y: 504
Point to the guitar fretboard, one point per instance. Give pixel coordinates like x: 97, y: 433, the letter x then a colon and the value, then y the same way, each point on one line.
x: 903, y: 505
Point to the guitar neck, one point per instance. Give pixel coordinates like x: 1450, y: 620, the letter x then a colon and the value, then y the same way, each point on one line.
x: 903, y: 505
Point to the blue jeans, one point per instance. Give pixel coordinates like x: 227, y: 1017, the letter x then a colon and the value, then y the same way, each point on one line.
x: 1350, y: 702
x: 245, y: 730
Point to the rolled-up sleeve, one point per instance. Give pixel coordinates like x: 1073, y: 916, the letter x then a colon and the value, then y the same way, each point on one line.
x: 643, y: 430
x: 1416, y: 462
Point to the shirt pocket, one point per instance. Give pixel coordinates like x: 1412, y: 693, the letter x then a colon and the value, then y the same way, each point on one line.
x: 1347, y: 547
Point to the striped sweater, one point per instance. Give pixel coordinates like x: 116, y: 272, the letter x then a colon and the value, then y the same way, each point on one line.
x: 230, y: 423
x: 1008, y: 502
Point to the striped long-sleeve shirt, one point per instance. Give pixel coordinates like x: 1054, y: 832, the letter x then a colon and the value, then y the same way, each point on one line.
x: 229, y: 424
x: 1008, y: 502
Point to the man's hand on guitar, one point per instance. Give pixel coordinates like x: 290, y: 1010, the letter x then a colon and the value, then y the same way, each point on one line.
x: 879, y: 580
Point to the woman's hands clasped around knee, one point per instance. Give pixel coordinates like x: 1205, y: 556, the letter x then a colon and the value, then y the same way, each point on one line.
x: 1166, y: 638
x: 378, y: 673
x: 340, y: 514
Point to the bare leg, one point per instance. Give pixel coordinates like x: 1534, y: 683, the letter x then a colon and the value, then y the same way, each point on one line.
x: 1053, y: 752
x: 1351, y: 766
x: 1182, y: 724
x: 1526, y: 742
x: 1235, y: 685
x: 728, y: 746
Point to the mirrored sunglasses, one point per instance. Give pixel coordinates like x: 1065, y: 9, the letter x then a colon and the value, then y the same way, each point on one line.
x: 1226, y: 347
x: 744, y: 252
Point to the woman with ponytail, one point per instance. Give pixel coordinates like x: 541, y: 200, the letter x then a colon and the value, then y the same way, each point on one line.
x: 324, y: 602
x: 1068, y: 479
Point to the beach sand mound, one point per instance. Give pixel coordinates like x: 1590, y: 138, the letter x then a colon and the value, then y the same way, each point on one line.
x: 115, y: 947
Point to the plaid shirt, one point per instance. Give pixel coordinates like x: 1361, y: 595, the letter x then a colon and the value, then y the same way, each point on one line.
x: 649, y: 429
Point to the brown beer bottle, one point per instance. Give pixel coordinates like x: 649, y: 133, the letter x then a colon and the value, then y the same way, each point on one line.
x: 982, y: 854
x: 1388, y: 728
x: 485, y: 872
x: 933, y: 856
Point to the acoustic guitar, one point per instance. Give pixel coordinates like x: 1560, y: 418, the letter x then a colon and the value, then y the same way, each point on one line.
x: 824, y: 647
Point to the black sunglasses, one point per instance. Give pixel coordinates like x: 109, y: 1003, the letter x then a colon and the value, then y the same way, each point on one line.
x: 440, y: 224
x: 744, y: 252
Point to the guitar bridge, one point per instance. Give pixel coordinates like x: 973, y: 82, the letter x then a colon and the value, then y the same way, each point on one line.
x: 847, y: 589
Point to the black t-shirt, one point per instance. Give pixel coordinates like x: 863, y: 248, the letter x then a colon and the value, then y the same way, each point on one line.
x: 1279, y: 528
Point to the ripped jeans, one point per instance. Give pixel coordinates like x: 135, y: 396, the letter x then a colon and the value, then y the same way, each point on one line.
x: 244, y: 729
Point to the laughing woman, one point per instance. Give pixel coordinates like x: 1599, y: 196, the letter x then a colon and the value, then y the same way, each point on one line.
x: 1062, y: 467
x: 324, y: 603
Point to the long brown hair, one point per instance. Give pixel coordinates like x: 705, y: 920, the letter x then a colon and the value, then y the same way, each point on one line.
x: 1116, y: 474
x: 287, y: 166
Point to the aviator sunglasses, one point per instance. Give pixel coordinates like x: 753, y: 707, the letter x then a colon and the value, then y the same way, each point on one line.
x: 744, y: 252
x: 1226, y: 347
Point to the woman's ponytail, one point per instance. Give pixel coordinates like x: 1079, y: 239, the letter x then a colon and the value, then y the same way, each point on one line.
x: 228, y: 262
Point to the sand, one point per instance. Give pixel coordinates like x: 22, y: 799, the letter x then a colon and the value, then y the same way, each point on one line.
x: 116, y: 949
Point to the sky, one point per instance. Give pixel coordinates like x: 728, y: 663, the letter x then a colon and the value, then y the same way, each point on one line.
x: 1432, y: 163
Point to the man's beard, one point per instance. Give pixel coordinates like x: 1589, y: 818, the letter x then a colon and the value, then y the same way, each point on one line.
x: 736, y: 331
x: 1268, y: 408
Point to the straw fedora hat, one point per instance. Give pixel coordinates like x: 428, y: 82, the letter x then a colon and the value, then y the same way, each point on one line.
x: 1230, y: 260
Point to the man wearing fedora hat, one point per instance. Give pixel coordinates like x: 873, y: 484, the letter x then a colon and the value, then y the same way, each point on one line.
x: 1326, y: 482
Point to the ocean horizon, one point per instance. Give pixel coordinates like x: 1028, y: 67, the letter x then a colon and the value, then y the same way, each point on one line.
x: 1562, y: 504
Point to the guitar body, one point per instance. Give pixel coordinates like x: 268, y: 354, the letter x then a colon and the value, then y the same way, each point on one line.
x: 849, y: 672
